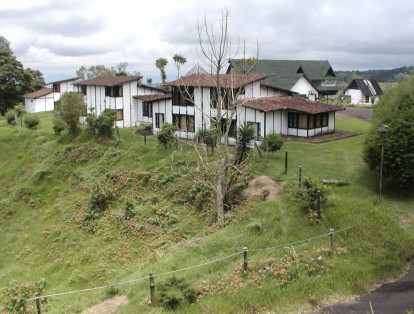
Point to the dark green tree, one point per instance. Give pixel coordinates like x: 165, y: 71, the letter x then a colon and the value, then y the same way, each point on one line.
x: 69, y: 109
x: 396, y: 110
x: 5, y: 44
x: 13, y: 81
x: 36, y: 80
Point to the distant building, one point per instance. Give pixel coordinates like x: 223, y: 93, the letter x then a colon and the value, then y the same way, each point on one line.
x: 364, y: 91
x: 312, y: 78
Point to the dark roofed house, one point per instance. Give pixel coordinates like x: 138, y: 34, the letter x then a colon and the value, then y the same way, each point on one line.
x: 364, y: 91
x: 305, y: 77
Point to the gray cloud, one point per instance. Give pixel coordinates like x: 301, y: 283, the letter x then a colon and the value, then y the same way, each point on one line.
x: 350, y: 34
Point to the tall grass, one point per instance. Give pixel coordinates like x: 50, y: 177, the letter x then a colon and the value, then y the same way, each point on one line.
x: 44, y: 196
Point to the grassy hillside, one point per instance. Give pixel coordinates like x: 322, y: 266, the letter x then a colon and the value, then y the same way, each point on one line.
x: 47, y: 232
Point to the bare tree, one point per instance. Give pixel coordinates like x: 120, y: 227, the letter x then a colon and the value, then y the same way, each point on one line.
x: 216, y: 52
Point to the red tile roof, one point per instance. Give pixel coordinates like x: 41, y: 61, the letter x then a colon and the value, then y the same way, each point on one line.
x: 226, y: 80
x: 109, y: 80
x: 153, y: 97
x: 39, y: 93
x: 297, y: 103
x: 69, y: 79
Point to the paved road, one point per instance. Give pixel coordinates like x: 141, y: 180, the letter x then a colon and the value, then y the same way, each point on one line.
x: 395, y: 297
x: 360, y: 113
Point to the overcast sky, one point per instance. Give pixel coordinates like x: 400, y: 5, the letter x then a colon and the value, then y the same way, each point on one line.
x: 58, y: 36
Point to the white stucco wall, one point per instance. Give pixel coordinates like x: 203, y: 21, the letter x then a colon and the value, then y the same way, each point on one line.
x: 163, y: 107
x: 40, y: 104
x: 269, y: 92
x: 303, y: 87
x: 66, y: 86
x: 356, y: 96
x: 132, y: 108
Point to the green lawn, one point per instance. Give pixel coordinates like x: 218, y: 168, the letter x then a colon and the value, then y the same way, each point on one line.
x: 45, y: 192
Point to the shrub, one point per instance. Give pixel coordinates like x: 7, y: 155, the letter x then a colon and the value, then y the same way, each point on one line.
x: 233, y: 197
x: 17, y: 296
x: 102, y: 126
x: 20, y: 111
x: 100, y: 194
x: 31, y: 121
x: 69, y: 109
x: 207, y: 137
x: 129, y: 211
x: 11, y: 117
x: 307, y: 197
x: 275, y: 142
x: 58, y: 125
x: 199, y: 195
x: 245, y: 133
x: 166, y: 135
x: 176, y: 291
x: 91, y: 122
x: 105, y: 122
x: 396, y: 110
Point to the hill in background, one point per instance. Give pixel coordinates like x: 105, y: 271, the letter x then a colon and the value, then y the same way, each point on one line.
x: 382, y: 76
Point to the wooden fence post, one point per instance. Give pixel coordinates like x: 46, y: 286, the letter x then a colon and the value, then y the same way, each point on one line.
x: 318, y: 204
x: 332, y: 240
x: 286, y: 161
x: 38, y: 304
x: 152, y: 287
x: 300, y: 176
x: 176, y: 143
x: 117, y: 132
x: 245, y: 261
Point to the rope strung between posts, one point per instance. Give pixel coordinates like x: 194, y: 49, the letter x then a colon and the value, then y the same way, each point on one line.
x: 190, y: 267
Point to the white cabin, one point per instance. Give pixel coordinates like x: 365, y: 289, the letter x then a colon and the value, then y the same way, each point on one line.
x: 39, y: 101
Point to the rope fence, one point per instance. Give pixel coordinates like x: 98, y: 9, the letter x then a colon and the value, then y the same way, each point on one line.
x: 151, y: 276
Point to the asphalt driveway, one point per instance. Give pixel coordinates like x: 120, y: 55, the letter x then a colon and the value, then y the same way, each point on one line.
x: 394, y: 297
x: 360, y: 113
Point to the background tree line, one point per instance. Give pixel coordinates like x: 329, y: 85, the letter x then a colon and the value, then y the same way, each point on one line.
x: 383, y: 76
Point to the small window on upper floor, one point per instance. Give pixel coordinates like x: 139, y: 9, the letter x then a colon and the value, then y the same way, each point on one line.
x: 83, y: 89
x: 113, y: 91
x: 56, y: 88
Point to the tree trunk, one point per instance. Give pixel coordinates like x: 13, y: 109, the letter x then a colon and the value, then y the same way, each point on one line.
x: 220, y: 181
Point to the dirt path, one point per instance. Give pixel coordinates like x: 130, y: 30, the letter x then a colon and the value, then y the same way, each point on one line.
x: 108, y: 306
x: 394, y: 297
